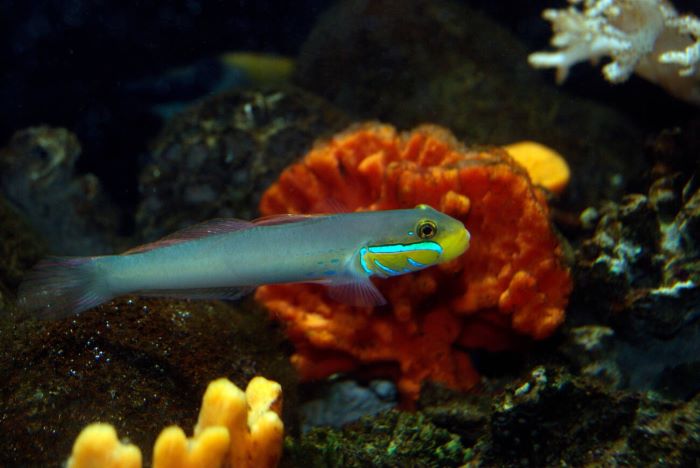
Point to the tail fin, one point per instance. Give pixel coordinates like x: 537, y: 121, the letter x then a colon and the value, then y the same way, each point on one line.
x: 61, y: 286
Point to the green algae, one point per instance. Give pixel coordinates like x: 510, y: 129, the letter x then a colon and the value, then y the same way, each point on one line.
x: 393, y: 438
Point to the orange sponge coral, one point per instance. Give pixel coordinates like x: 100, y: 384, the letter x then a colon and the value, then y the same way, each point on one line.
x: 511, y: 281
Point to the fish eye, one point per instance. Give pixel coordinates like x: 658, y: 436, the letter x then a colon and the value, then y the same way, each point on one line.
x: 426, y: 229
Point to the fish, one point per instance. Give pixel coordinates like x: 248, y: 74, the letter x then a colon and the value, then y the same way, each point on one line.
x: 226, y: 258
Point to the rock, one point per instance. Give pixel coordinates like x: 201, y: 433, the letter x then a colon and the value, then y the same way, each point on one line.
x: 347, y: 401
x: 372, y: 59
x: 547, y: 418
x: 216, y: 159
x: 68, y: 209
x: 137, y: 364
x: 639, y: 273
x: 20, y: 247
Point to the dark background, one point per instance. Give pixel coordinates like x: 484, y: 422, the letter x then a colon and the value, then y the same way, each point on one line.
x: 70, y: 63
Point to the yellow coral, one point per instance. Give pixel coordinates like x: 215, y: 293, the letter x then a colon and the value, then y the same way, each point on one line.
x: 236, y: 429
x: 97, y: 446
x: 545, y: 166
x: 174, y: 450
x: 252, y: 419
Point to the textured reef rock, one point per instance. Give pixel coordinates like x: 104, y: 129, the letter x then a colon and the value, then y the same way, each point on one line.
x: 549, y: 418
x: 640, y: 273
x: 216, y: 159
x: 37, y: 175
x: 137, y: 364
x: 509, y: 285
x: 553, y: 417
x: 538, y: 419
x: 471, y: 76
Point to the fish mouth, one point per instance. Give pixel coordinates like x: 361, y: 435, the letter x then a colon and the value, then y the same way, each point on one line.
x: 456, y: 245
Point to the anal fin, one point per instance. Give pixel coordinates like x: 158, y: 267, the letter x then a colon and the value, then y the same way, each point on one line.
x: 227, y: 293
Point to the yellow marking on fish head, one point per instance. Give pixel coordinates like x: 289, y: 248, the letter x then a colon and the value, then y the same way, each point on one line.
x: 433, y: 237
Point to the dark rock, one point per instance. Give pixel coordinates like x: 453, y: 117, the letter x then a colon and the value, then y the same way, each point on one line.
x: 20, y: 247
x: 216, y: 159
x: 138, y: 364
x: 347, y: 401
x: 550, y: 418
x: 556, y: 419
x: 591, y: 350
x: 639, y: 273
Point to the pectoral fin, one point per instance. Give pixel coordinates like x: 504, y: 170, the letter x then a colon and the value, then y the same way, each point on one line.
x: 358, y: 292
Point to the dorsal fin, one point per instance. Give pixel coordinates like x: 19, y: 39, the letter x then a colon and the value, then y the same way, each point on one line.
x: 273, y: 220
x: 197, y: 231
x: 330, y: 206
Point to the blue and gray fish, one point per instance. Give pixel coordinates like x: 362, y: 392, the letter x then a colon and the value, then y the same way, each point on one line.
x: 227, y: 258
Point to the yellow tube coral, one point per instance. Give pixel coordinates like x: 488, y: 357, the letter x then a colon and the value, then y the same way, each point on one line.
x: 545, y: 166
x: 252, y: 420
x: 174, y: 450
x: 235, y: 428
x: 97, y: 446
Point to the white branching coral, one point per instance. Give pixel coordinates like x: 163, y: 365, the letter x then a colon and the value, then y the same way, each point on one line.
x: 646, y: 37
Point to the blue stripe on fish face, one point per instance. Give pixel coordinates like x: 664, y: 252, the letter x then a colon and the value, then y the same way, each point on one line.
x: 398, y: 259
x: 398, y: 248
x: 363, y: 261
x: 388, y: 270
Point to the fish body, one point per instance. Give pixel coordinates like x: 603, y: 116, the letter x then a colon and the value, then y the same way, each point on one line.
x: 226, y: 258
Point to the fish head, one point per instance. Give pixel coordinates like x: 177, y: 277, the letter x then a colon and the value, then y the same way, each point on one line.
x: 419, y: 238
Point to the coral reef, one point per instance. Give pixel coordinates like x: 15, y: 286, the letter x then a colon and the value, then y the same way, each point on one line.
x: 38, y: 177
x: 646, y: 37
x: 136, y: 363
x: 482, y: 90
x: 510, y: 283
x: 216, y: 159
x: 235, y: 429
x: 617, y: 384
